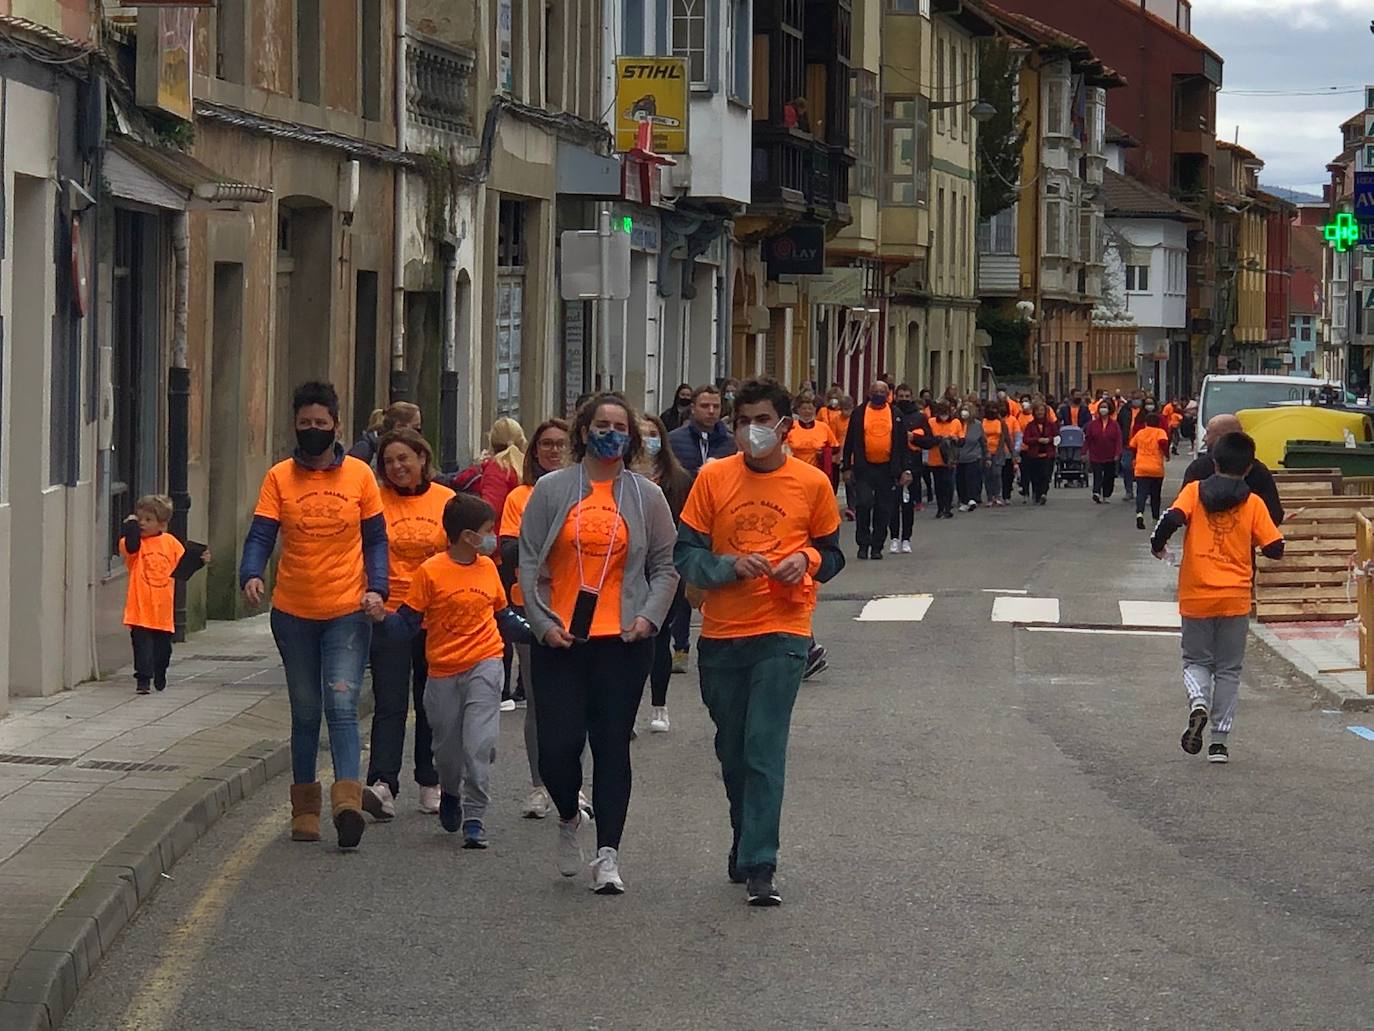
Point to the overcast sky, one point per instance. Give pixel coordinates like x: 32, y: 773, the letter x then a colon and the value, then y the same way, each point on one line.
x: 1289, y: 45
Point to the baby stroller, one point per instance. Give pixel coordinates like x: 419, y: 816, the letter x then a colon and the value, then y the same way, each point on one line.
x: 1070, y: 467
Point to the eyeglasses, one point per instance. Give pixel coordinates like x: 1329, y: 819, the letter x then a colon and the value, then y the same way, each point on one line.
x: 553, y: 445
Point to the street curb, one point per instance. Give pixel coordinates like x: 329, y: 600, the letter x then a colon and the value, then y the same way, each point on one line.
x: 1333, y: 696
x: 44, y: 983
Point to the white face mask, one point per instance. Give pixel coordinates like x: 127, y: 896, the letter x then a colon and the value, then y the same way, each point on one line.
x: 963, y: 414
x: 761, y: 441
x: 652, y: 446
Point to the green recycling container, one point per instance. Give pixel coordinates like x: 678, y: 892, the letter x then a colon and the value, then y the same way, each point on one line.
x: 1327, y: 454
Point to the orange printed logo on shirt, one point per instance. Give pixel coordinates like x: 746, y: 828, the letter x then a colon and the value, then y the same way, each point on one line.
x: 459, y: 603
x: 320, y: 514
x: 771, y: 514
x: 1217, y: 569
x: 414, y: 533
x: 807, y: 444
x: 594, y: 524
x: 1151, y: 444
x: 152, y: 590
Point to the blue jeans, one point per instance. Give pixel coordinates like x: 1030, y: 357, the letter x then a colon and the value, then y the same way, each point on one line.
x: 1128, y: 473
x: 324, y: 661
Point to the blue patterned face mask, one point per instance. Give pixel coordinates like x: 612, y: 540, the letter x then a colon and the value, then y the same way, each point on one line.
x: 608, y: 445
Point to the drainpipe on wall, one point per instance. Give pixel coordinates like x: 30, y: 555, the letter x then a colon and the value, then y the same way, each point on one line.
x: 179, y: 400
x: 448, y: 383
x: 400, y: 381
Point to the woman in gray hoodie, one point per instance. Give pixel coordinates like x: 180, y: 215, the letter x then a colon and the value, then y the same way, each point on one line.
x: 972, y: 452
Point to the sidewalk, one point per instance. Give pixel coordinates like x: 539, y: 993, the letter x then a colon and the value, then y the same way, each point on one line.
x: 101, y: 790
x: 1328, y: 654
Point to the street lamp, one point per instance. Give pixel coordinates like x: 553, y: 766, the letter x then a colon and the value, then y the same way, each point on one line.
x: 980, y: 111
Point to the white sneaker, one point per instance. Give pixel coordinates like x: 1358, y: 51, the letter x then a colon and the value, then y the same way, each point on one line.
x: 508, y: 705
x: 658, y: 724
x: 585, y: 805
x: 906, y: 547
x: 537, y: 806
x: 965, y: 507
x: 895, y: 548
x: 972, y: 505
x: 379, y: 802
x: 570, y: 857
x: 429, y: 799
x: 606, y: 873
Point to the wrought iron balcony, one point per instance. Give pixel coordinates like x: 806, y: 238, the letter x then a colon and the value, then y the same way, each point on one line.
x: 794, y: 172
x: 439, y: 85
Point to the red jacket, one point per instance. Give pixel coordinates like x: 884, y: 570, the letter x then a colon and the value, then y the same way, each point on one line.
x: 1037, y: 439
x: 1102, y: 440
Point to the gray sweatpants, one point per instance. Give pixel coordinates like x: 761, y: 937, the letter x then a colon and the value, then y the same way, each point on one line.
x: 465, y: 714
x: 1213, y: 652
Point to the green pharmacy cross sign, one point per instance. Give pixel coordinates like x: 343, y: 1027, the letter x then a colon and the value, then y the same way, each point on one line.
x: 1343, y: 233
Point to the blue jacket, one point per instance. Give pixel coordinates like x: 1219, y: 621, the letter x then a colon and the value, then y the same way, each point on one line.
x: 693, y: 447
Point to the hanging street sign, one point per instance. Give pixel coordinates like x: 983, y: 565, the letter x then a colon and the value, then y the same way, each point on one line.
x: 652, y: 90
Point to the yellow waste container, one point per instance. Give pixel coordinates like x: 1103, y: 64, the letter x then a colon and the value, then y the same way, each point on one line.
x: 1273, y: 428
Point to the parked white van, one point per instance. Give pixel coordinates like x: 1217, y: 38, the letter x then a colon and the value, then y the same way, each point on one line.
x: 1228, y: 394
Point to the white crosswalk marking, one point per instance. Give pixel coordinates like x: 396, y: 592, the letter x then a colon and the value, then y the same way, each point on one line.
x: 903, y: 608
x: 1150, y: 613
x: 1025, y: 610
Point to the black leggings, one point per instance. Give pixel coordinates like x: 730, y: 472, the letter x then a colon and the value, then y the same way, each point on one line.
x: 589, y: 692
x: 1151, y: 487
x: 1104, y: 478
x: 944, y: 488
x: 1008, y: 479
x: 663, y: 648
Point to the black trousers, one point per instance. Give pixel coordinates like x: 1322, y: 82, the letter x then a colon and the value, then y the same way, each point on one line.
x: 589, y: 692
x: 662, y: 671
x: 152, y: 654
x: 970, y: 485
x: 1151, y: 488
x: 944, y: 488
x: 1039, y: 471
x: 1104, y: 478
x: 1008, y: 479
x: 399, y: 672
x: 904, y: 513
x: 926, y: 480
x: 874, y: 492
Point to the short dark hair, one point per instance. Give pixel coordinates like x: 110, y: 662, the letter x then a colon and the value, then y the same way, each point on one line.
x: 465, y: 512
x: 708, y: 388
x: 583, y: 423
x: 906, y: 387
x: 316, y: 392
x: 1234, y: 454
x: 756, y: 391
x: 1151, y: 419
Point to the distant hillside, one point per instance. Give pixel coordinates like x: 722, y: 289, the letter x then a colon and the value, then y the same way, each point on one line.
x: 1292, y: 196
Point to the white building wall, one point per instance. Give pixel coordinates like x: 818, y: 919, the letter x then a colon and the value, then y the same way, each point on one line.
x: 1164, y: 304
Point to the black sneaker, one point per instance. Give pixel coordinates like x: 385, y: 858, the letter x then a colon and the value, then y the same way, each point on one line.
x: 1097, y: 499
x: 761, y: 890
x: 1217, y: 753
x: 450, y: 812
x: 1192, y: 737
x: 815, y: 662
x: 159, y: 687
x: 863, y: 554
x: 876, y: 554
x: 1140, y: 521
x: 474, y: 834
x: 143, y: 687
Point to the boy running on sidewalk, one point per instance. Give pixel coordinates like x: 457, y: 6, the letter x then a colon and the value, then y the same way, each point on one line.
x: 759, y: 532
x: 1225, y: 524
x: 459, y: 597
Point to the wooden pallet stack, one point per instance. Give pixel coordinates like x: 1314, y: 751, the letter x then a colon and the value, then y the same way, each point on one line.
x: 1312, y: 581
x: 1364, y: 558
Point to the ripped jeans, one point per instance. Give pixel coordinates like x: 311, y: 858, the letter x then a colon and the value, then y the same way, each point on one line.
x: 324, y: 661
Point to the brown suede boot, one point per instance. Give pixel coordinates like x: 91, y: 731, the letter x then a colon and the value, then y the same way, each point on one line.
x: 305, y: 812
x: 347, y: 799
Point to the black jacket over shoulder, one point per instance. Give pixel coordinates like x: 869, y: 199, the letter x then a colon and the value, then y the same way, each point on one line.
x: 1260, y: 481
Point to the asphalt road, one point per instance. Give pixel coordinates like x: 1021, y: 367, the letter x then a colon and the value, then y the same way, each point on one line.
x: 987, y: 826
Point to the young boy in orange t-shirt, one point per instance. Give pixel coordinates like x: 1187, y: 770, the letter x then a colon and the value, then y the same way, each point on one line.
x: 1151, y: 446
x: 460, y: 599
x: 151, y: 555
x: 1225, y: 524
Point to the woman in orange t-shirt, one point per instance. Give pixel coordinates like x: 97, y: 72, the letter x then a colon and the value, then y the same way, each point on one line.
x: 810, y: 440
x: 1151, y: 444
x: 999, y: 437
x: 414, y: 508
x: 331, y: 582
x: 944, y: 424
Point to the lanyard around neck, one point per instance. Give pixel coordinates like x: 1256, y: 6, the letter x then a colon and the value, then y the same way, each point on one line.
x: 577, y: 529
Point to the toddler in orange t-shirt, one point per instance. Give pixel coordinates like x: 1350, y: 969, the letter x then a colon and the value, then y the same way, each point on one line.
x: 153, y: 558
x: 1225, y: 522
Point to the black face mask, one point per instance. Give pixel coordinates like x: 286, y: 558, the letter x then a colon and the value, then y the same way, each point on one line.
x: 314, y: 442
x: 906, y: 406
x: 684, y: 402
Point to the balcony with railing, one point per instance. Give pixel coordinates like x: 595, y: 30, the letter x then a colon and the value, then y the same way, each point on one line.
x: 999, y: 266
x: 792, y: 171
x: 439, y: 86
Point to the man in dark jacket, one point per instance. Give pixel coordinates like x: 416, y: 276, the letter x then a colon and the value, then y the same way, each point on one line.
x: 1259, y: 479
x: 1074, y: 411
x: 703, y: 436
x: 874, y: 464
x: 917, y: 437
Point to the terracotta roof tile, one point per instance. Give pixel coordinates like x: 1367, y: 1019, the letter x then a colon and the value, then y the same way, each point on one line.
x: 1125, y: 197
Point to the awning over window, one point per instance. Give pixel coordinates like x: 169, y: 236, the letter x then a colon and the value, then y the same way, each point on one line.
x: 172, y: 179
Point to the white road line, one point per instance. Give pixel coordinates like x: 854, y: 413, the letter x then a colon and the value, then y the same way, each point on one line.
x: 1025, y: 610
x: 1100, y: 630
x: 1150, y: 613
x: 1000, y: 590
x: 902, y: 608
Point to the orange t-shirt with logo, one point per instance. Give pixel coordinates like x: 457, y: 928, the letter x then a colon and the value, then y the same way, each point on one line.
x: 1151, y: 445
x: 320, y: 513
x: 152, y: 590
x: 774, y: 515
x: 595, y: 529
x: 807, y: 444
x: 414, y: 533
x: 512, y: 516
x: 878, y: 434
x: 1217, y: 569
x: 952, y: 428
x: 459, y: 604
